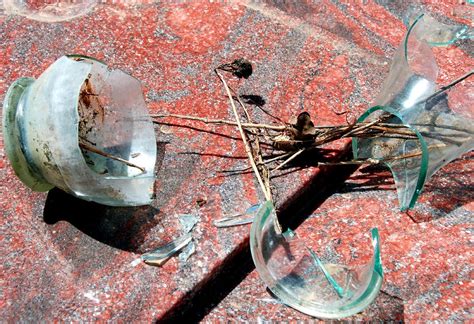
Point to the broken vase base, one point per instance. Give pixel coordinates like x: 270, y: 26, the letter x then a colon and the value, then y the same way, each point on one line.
x: 87, y: 141
x: 296, y: 275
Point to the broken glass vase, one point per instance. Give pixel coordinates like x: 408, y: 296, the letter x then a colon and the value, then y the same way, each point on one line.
x: 300, y: 279
x: 83, y: 128
x: 411, y: 98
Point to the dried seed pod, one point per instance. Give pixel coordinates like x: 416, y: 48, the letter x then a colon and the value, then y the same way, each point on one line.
x: 240, y: 68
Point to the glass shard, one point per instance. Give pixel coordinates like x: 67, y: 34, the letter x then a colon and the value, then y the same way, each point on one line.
x: 434, y: 32
x: 162, y: 254
x: 187, y: 222
x: 300, y: 279
x: 187, y: 251
x: 410, y: 97
x: 245, y: 218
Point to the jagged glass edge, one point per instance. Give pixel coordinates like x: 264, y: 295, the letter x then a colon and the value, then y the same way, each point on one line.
x: 424, y: 153
x: 461, y: 34
x: 287, y: 297
x: 405, y: 42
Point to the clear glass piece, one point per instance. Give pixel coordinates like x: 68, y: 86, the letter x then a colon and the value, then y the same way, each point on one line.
x: 162, y: 254
x: 241, y: 219
x: 187, y: 222
x: 300, y: 279
x: 49, y: 10
x: 187, y: 251
x: 408, y: 97
x: 434, y: 32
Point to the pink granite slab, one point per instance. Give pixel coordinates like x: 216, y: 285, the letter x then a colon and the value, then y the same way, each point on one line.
x: 65, y: 259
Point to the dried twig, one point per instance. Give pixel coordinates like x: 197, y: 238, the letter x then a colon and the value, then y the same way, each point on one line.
x: 332, y: 132
x: 448, y: 86
x: 279, y: 157
x: 221, y: 121
x: 258, y: 154
x: 244, y: 139
x: 289, y: 159
x: 95, y: 150
x: 388, y: 159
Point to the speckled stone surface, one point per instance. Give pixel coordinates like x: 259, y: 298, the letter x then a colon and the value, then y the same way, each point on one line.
x: 426, y: 252
x: 66, y: 259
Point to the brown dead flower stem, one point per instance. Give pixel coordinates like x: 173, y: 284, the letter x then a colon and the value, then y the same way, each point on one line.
x: 220, y: 121
x: 95, y: 150
x: 248, y: 150
x: 295, y: 138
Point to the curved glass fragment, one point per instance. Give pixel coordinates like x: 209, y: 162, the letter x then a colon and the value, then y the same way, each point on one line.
x: 300, y: 279
x: 410, y: 97
x: 49, y: 10
x: 160, y: 255
x: 434, y: 32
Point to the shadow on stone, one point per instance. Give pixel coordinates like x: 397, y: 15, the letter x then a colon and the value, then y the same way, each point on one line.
x: 255, y: 100
x: 123, y: 228
x: 372, y: 177
x: 449, y: 189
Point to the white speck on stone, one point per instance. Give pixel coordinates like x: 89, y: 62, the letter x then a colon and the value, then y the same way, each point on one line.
x: 91, y: 295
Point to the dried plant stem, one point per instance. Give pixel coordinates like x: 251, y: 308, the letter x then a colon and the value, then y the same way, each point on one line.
x: 258, y: 153
x: 352, y: 162
x: 95, y: 150
x: 448, y: 86
x: 359, y: 130
x: 385, y: 135
x: 279, y: 157
x: 406, y: 156
x: 378, y: 161
x: 375, y: 128
x: 265, y: 162
x: 292, y: 157
x: 221, y: 121
x: 244, y: 139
